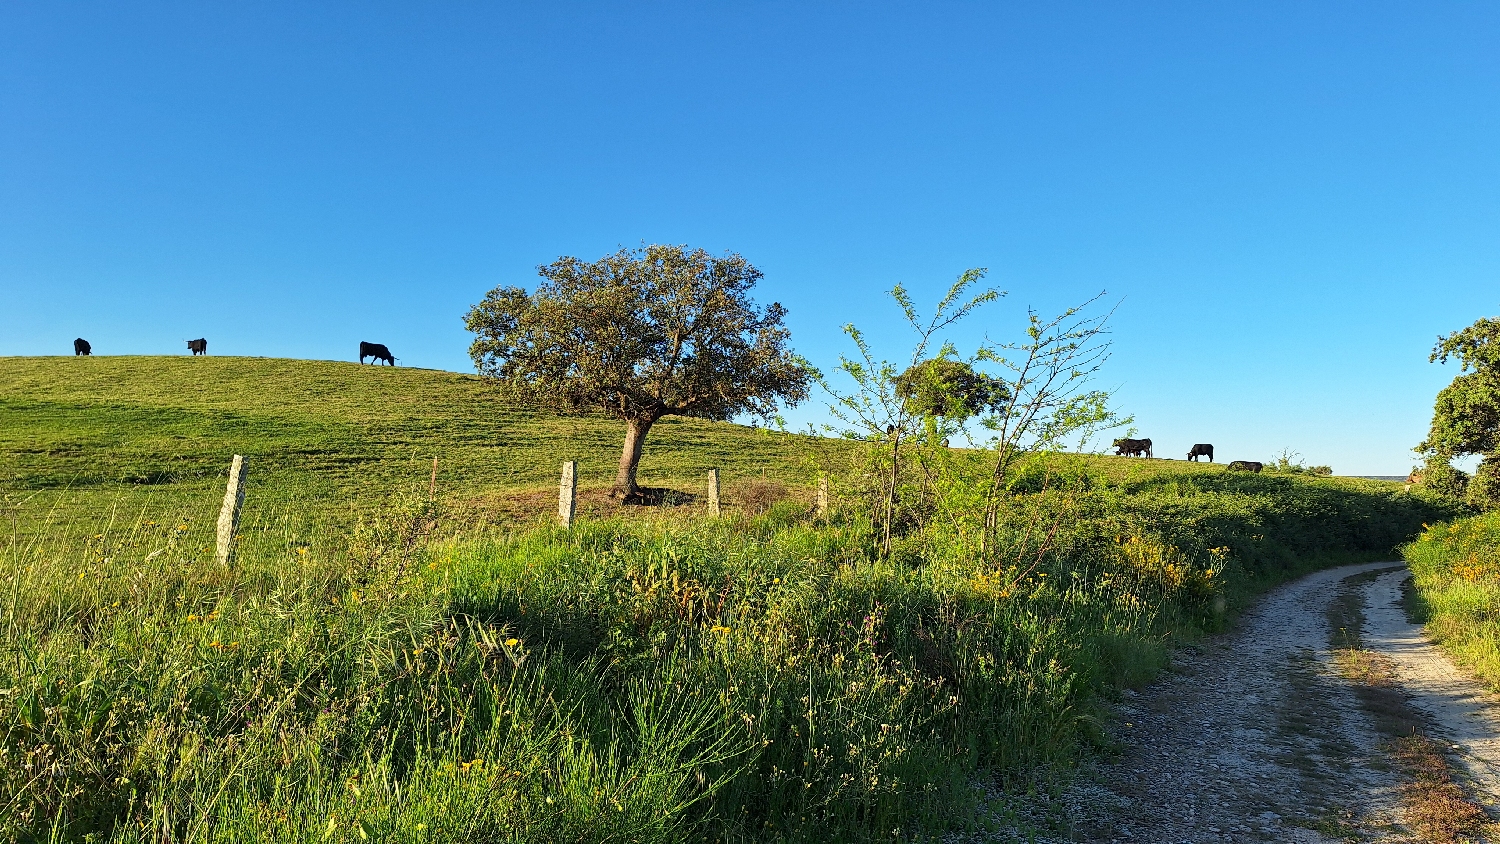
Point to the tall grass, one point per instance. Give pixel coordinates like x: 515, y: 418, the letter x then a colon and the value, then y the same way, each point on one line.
x: 399, y: 677
x: 387, y: 666
x: 1456, y: 572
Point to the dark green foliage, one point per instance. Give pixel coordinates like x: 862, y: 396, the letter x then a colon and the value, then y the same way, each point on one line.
x: 638, y: 335
x: 949, y: 388
x: 1482, y: 492
x: 1273, y: 525
x: 1440, y: 477
x: 1466, y: 414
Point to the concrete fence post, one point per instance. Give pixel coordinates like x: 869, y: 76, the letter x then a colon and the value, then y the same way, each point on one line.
x: 822, y: 501
x: 713, y: 492
x: 567, y: 494
x: 229, y: 514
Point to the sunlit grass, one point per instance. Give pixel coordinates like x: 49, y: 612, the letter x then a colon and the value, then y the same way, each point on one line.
x: 387, y: 665
x: 1456, y: 570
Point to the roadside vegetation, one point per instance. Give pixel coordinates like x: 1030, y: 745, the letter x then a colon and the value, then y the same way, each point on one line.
x: 1456, y: 572
x: 402, y: 652
x: 387, y: 664
x: 1456, y: 565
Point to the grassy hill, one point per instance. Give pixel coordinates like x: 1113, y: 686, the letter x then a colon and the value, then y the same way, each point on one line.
x: 93, y: 444
x: 107, y: 427
x: 94, y: 433
x: 361, y: 674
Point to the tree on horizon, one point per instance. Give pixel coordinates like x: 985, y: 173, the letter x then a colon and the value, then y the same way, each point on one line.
x: 640, y: 334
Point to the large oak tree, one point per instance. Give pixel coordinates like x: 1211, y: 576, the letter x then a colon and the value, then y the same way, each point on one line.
x: 638, y: 335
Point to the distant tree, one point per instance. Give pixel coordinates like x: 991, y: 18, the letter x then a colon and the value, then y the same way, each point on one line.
x: 1466, y: 415
x: 952, y: 389
x: 638, y: 335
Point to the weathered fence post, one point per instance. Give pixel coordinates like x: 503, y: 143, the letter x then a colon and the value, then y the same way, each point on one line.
x: 432, y: 487
x: 567, y: 494
x: 229, y: 514
x: 822, y: 501
x: 713, y: 492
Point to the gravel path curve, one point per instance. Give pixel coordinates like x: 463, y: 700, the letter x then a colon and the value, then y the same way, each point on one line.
x: 1253, y: 737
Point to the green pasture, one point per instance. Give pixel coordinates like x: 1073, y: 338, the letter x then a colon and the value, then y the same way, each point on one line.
x: 85, y: 436
x: 381, y: 664
x: 89, y: 435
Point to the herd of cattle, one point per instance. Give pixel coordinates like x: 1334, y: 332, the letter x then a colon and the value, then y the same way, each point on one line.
x: 377, y: 351
x: 1127, y: 447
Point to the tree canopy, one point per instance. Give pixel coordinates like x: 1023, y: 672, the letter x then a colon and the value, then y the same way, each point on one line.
x: 638, y: 335
x: 949, y: 388
x: 1466, y: 414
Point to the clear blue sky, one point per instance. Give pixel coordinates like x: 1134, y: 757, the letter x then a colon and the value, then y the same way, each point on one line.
x: 1291, y: 200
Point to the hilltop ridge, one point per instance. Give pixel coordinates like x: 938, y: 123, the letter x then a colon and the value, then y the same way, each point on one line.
x: 112, y: 425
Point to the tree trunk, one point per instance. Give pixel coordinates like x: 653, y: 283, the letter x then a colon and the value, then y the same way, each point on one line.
x: 635, y: 438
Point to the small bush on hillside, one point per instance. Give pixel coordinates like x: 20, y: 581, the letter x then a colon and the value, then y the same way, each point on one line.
x: 1289, y: 462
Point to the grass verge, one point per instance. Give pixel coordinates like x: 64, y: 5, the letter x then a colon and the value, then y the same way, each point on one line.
x: 1456, y: 574
x: 1436, y: 805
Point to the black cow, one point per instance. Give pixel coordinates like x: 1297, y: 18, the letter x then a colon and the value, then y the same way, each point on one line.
x: 378, y: 351
x: 1246, y: 465
x: 1131, y: 448
x: 82, y: 347
x: 1202, y: 450
x: 198, y: 347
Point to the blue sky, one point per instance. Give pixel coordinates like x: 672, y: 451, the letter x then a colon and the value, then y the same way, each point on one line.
x: 1290, y: 201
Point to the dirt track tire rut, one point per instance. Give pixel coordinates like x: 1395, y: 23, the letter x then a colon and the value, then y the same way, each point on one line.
x: 1252, y: 737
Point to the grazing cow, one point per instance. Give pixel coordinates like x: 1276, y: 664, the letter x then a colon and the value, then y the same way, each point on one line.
x: 198, y: 347
x: 378, y: 351
x: 1131, y: 448
x: 82, y: 347
x: 1202, y: 450
x: 1246, y: 465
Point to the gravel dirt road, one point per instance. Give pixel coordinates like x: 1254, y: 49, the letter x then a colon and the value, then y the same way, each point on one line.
x: 1256, y: 736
